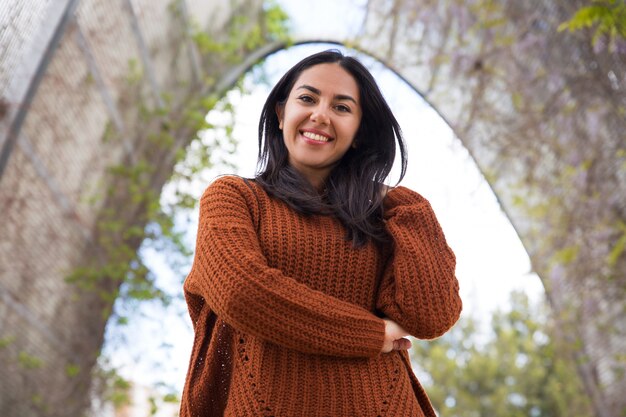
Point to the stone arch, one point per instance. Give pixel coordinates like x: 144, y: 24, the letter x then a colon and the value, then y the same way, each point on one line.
x: 103, y: 83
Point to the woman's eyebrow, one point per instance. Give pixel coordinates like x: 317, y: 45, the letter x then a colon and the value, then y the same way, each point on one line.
x: 318, y: 92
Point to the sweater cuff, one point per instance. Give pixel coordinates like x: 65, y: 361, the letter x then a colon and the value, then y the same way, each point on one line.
x: 377, y: 339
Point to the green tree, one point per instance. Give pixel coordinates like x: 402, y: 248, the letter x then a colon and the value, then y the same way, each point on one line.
x: 516, y: 371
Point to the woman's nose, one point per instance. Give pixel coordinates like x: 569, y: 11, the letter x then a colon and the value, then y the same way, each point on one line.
x: 319, y: 115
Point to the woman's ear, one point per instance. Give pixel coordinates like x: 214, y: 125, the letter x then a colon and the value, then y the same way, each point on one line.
x: 280, y: 109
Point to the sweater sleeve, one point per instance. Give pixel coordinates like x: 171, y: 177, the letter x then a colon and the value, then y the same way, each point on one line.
x: 419, y: 289
x: 231, y: 274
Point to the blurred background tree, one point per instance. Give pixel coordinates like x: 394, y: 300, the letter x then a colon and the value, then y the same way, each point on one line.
x: 516, y: 370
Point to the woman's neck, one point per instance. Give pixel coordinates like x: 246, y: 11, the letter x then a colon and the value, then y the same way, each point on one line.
x: 316, y: 178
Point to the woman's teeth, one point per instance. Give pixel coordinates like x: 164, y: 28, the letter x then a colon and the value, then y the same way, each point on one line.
x: 315, y: 136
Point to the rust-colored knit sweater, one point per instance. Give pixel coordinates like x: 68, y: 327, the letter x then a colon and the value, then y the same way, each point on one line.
x: 287, y: 313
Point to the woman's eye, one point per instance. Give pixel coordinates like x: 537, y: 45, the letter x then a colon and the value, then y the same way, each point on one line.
x: 342, y: 108
x: 306, y: 99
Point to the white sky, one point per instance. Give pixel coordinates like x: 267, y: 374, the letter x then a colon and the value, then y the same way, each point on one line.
x: 491, y: 261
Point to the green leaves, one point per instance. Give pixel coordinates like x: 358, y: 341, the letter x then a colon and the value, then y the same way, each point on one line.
x: 6, y: 341
x: 619, y: 247
x: 72, y: 369
x: 566, y: 255
x: 276, y: 21
x: 245, y: 34
x: 28, y: 361
x: 607, y: 16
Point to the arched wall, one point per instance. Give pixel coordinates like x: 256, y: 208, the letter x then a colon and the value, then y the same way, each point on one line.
x: 117, y: 76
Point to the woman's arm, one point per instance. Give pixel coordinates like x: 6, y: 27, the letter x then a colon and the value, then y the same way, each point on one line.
x: 419, y: 289
x: 231, y: 274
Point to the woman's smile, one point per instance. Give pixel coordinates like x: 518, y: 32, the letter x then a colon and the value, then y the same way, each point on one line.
x: 315, y: 136
x: 320, y: 119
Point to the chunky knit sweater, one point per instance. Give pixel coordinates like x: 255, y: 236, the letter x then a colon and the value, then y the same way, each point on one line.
x: 287, y: 313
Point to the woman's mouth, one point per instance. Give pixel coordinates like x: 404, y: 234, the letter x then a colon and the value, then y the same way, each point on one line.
x: 315, y: 137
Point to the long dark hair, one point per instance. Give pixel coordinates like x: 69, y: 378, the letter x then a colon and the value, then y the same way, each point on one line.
x: 354, y: 189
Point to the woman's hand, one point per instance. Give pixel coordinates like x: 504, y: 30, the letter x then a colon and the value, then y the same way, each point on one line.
x: 384, y: 190
x: 395, y: 337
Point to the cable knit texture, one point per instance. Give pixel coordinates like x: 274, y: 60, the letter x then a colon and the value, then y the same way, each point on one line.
x: 287, y: 314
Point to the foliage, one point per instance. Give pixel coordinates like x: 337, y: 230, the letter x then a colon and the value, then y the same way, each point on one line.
x: 29, y: 361
x: 6, y: 341
x: 110, y: 386
x: 619, y: 247
x: 244, y: 35
x: 276, y: 22
x: 518, y: 371
x: 607, y: 16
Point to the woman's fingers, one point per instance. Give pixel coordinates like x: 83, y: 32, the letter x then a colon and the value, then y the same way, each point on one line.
x: 394, y: 337
x: 401, y: 344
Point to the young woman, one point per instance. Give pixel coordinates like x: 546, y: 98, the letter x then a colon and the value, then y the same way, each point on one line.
x: 307, y: 279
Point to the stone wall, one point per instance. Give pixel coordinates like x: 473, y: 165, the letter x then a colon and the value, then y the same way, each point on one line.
x: 86, y: 86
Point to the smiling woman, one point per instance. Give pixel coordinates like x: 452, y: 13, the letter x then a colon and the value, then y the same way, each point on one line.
x: 345, y: 175
x: 319, y: 120
x: 307, y: 280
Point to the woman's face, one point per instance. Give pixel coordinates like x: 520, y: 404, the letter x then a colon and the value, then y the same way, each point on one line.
x: 320, y: 119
